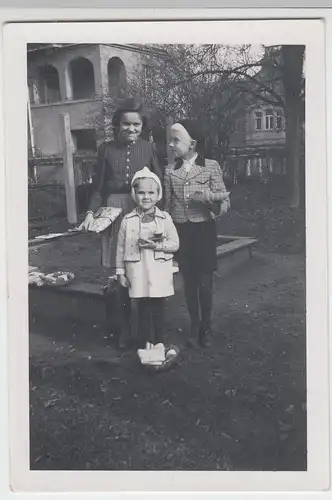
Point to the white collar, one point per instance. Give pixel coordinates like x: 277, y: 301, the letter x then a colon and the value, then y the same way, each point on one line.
x: 191, y: 161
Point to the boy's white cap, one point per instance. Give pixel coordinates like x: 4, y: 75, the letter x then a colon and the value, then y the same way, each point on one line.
x: 146, y: 173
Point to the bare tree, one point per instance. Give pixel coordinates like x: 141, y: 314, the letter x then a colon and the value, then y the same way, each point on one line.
x: 213, y: 82
x: 293, y: 84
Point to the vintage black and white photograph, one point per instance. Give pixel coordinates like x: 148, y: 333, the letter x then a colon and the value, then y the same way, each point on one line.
x: 167, y: 286
x: 193, y: 358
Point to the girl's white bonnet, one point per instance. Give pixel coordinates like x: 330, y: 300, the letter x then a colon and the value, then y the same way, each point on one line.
x: 146, y: 173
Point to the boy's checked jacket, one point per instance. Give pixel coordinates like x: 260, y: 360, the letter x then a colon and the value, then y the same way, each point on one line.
x: 204, y: 176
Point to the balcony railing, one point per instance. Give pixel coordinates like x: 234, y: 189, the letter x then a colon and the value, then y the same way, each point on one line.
x: 67, y: 100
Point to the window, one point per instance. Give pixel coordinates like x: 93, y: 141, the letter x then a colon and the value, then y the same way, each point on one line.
x: 248, y: 167
x: 279, y: 119
x: 270, y: 163
x: 117, y: 79
x: 258, y: 120
x: 260, y: 166
x: 84, y: 139
x: 48, y: 84
x: 82, y: 78
x: 269, y: 119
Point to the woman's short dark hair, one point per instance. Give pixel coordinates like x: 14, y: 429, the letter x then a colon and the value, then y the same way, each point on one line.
x: 131, y: 105
x: 194, y: 129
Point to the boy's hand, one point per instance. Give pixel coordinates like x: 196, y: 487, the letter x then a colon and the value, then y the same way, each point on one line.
x: 123, y: 281
x: 198, y: 197
x: 147, y: 244
x: 208, y: 198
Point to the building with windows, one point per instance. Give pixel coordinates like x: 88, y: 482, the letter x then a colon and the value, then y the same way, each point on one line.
x: 76, y: 79
x: 257, y: 144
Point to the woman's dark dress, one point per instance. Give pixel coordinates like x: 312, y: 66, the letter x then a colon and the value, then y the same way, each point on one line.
x: 116, y: 165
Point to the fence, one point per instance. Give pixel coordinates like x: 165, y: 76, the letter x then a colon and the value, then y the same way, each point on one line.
x: 46, y: 184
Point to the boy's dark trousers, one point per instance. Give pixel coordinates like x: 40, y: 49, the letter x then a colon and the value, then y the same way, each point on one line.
x: 198, y: 288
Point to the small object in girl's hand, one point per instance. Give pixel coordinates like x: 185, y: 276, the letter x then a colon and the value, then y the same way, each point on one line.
x: 157, y: 237
x: 142, y: 241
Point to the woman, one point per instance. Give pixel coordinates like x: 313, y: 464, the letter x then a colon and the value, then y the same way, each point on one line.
x: 118, y: 161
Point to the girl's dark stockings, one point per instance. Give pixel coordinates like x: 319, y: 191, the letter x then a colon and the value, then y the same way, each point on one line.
x: 150, y: 310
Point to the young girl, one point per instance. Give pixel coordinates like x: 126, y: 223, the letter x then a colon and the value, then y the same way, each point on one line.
x: 147, y: 240
x: 117, y: 163
x: 194, y: 195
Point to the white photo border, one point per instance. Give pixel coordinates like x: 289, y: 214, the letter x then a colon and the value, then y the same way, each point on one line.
x: 307, y: 32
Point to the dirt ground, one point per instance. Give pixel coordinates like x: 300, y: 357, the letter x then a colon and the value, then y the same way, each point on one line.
x: 239, y: 405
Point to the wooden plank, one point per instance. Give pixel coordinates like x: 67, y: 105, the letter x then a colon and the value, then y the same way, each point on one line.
x: 234, y: 246
x: 38, y: 244
x: 221, y: 237
x: 227, y: 237
x: 38, y: 241
x: 68, y: 168
x: 54, y: 306
x: 95, y: 290
x: 76, y: 288
x: 83, y: 288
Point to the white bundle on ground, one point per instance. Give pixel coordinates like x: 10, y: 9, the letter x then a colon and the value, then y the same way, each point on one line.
x: 152, y: 354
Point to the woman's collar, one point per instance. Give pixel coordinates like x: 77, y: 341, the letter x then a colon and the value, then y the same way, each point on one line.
x: 126, y: 144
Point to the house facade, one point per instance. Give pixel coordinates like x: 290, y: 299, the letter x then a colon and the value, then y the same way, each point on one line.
x: 76, y: 79
x: 257, y: 145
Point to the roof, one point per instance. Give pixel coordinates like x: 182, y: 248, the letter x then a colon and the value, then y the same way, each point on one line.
x: 133, y: 47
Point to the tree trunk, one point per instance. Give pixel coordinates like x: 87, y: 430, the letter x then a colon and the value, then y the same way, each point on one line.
x: 293, y: 139
x: 292, y: 83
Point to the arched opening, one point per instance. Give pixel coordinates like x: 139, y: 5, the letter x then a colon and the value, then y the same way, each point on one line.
x: 48, y: 84
x: 117, y: 78
x: 82, y: 78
